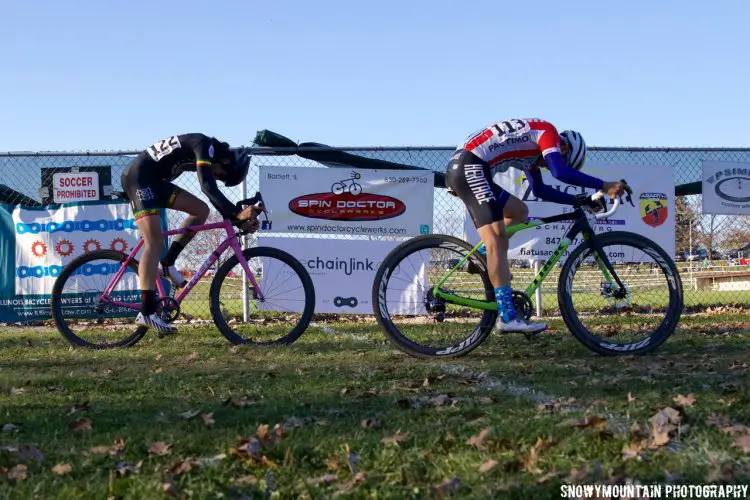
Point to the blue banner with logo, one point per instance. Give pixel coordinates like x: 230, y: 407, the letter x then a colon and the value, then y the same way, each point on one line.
x: 37, y: 242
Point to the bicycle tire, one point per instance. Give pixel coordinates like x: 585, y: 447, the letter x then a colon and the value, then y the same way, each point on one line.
x: 56, y: 301
x: 288, y: 259
x: 380, y: 308
x: 655, y: 338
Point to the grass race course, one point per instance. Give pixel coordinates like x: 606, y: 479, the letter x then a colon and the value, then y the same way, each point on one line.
x: 342, y: 413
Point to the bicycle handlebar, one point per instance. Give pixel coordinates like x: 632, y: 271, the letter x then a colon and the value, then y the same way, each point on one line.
x: 615, y: 205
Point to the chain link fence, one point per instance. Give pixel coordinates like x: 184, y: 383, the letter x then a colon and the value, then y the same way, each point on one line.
x: 713, y: 251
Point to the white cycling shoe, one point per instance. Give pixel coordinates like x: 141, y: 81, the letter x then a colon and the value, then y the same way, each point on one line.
x: 173, y: 275
x: 155, y: 322
x: 519, y: 325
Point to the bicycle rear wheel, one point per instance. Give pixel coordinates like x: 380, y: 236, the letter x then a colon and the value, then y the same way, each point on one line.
x: 611, y: 321
x: 280, y: 316
x: 406, y: 308
x: 79, y: 313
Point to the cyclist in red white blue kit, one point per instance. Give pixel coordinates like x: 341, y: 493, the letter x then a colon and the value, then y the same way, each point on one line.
x: 148, y: 183
x: 527, y: 144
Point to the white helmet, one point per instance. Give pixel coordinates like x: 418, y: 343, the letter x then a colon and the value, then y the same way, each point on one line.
x: 576, y: 155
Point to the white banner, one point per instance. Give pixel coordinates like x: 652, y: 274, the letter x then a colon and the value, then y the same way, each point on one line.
x: 343, y: 201
x: 47, y: 239
x: 726, y: 188
x: 343, y: 272
x: 652, y: 216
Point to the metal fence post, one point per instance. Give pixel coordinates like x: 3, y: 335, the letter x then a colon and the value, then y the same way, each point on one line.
x: 245, y: 281
x: 538, y: 293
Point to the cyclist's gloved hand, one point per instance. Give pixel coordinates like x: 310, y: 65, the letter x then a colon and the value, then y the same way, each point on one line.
x: 247, y: 220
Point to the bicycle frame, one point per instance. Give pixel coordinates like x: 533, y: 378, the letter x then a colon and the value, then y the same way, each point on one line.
x: 230, y: 242
x: 580, y: 225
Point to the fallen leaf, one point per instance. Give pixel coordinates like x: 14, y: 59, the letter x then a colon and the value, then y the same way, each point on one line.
x: 182, y: 466
x: 743, y: 442
x: 126, y: 468
x: 632, y: 451
x: 62, y: 469
x: 327, y: 479
x: 631, y: 398
x: 593, y: 422
x: 170, y: 489
x: 159, y: 448
x: 158, y: 357
x: 27, y: 453
x: 242, y: 402
x: 370, y: 423
x: 547, y: 477
x: 269, y: 463
x: 246, y: 449
x: 189, y: 415
x: 192, y: 356
x: 685, y: 401
x: 736, y: 429
x: 529, y: 462
x: 85, y: 406
x: 578, y: 476
x: 396, y: 438
x: 211, y: 461
x: 81, y: 425
x: 488, y: 465
x: 115, y: 449
x: 10, y: 428
x: 262, y: 433
x: 358, y: 478
x: 246, y: 480
x: 279, y: 431
x: 208, y: 419
x: 449, y: 486
x: 478, y: 440
x: 17, y: 391
x: 18, y: 472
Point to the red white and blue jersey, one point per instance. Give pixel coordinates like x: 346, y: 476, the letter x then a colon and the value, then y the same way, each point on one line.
x: 516, y: 143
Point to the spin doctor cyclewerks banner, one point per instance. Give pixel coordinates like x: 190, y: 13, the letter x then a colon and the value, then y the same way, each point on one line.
x: 354, y: 202
x: 37, y: 242
x: 652, y: 213
x: 726, y: 188
x: 343, y: 272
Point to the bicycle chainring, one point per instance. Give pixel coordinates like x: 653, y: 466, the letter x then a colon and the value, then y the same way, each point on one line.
x: 168, y: 309
x: 522, y: 304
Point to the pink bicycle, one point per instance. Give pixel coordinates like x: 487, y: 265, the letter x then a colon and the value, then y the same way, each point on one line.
x: 96, y: 296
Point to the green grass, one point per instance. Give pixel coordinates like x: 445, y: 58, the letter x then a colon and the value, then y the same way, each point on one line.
x: 322, y: 388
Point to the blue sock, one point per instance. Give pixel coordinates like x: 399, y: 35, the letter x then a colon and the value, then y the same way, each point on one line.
x: 505, y: 309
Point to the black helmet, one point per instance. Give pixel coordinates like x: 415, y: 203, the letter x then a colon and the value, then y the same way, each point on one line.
x: 234, y: 164
x: 240, y: 164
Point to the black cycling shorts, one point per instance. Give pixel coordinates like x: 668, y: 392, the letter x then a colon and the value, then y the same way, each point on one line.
x: 470, y: 179
x: 148, y: 192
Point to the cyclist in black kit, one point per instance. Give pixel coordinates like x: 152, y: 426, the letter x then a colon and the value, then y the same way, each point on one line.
x: 148, y: 183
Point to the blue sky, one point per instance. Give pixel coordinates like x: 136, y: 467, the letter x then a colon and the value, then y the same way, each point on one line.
x: 99, y: 75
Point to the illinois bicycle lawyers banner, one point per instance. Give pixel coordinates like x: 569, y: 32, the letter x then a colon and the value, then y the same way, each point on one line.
x: 37, y: 242
x: 352, y: 202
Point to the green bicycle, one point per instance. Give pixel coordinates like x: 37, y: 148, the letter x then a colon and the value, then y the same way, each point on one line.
x: 618, y: 292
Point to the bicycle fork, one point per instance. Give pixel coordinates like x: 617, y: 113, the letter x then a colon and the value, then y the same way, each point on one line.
x: 235, y: 245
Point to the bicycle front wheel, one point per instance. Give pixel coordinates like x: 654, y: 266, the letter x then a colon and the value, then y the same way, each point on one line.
x: 405, y: 305
x: 611, y: 320
x: 280, y: 315
x: 79, y: 309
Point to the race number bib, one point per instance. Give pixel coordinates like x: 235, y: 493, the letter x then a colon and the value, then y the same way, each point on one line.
x: 163, y: 148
